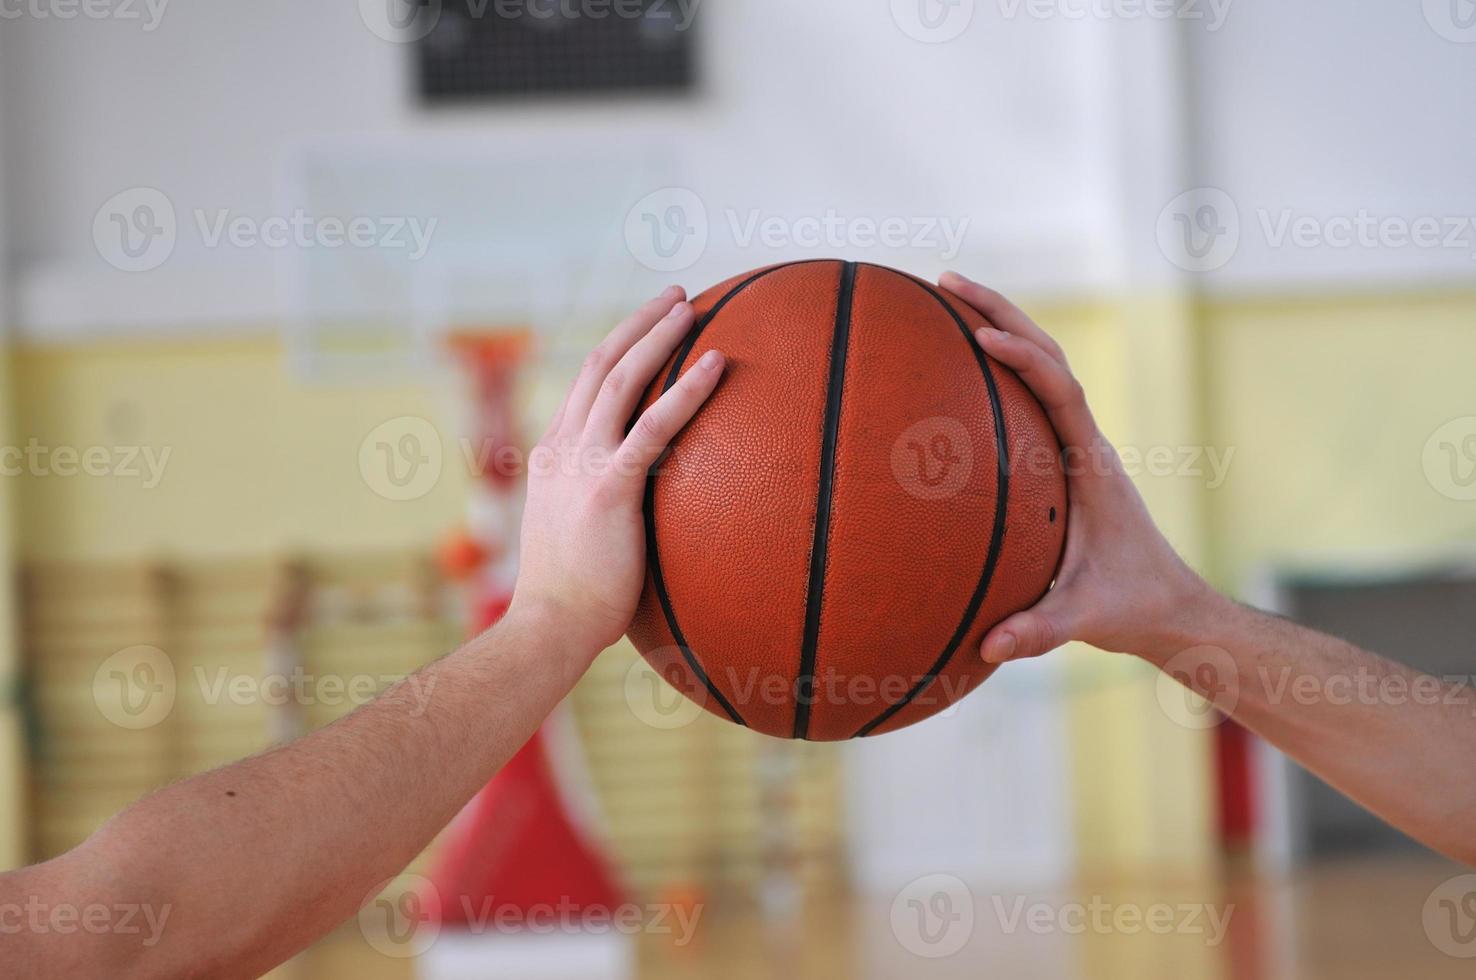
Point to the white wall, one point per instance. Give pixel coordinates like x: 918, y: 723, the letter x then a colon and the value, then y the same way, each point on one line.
x: 805, y: 107
x: 1329, y: 108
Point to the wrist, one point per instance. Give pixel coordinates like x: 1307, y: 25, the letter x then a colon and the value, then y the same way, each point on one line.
x: 1191, y: 618
x: 553, y: 624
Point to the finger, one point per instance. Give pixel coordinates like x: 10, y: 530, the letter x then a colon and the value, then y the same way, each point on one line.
x: 1053, y: 386
x: 660, y: 423
x: 609, y: 352
x: 1031, y: 633
x: 556, y: 422
x: 1001, y: 313
x: 628, y: 380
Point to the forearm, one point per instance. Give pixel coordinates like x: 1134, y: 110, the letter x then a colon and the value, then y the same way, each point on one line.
x: 256, y: 860
x: 1394, y: 739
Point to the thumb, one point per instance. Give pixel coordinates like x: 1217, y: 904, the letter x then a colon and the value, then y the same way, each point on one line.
x: 1031, y: 633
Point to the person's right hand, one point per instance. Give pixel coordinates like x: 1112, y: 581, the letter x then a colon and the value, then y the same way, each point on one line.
x: 1121, y: 586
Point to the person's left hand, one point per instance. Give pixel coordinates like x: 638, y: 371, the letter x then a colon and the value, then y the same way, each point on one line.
x: 584, y: 538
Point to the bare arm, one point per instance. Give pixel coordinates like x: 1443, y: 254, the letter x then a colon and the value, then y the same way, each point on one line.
x: 238, y: 869
x: 1394, y: 739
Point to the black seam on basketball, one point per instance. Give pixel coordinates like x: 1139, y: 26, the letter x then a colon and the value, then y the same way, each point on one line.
x: 996, y: 541
x: 804, y: 686
x: 653, y: 558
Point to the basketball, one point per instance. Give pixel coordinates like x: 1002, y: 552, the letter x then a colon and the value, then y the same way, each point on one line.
x: 862, y: 498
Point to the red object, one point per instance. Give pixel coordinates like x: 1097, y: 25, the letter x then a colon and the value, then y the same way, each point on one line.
x: 514, y: 856
x: 517, y: 859
x: 1233, y: 747
x: 461, y: 556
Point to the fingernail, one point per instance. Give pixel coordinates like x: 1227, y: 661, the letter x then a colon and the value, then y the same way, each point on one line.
x: 671, y: 291
x: 960, y: 275
x: 1002, y: 649
x: 990, y: 333
x: 711, y: 360
x: 681, y: 309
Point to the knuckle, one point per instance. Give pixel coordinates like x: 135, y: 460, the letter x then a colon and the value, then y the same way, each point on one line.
x: 595, y: 360
x: 650, y: 426
x: 615, y: 382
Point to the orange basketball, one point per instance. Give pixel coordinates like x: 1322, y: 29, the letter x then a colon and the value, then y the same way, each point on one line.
x: 864, y: 495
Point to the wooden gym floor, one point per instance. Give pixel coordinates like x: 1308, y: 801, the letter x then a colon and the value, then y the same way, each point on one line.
x: 1354, y: 920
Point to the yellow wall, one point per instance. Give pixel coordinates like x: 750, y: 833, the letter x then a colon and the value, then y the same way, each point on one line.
x: 1329, y: 405
x: 258, y: 463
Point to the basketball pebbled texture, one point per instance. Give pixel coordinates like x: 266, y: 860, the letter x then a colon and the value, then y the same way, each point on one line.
x: 862, y: 498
